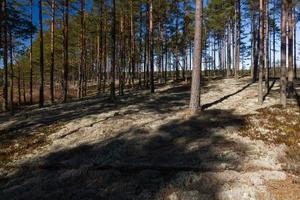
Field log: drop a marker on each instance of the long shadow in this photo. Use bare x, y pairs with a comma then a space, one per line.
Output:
205, 106
25, 124
269, 89
140, 164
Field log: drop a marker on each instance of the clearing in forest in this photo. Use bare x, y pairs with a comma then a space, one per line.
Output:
146, 146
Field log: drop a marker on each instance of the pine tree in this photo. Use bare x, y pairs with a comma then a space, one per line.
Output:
195, 88
283, 81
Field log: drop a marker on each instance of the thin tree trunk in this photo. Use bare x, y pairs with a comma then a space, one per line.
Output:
228, 49
238, 39
66, 50
274, 42
295, 43
184, 47
122, 55
141, 47
113, 50
196, 76
5, 47
100, 50
267, 49
151, 46
233, 34
105, 53
283, 80
30, 60
83, 49
52, 51
290, 49
176, 42
19, 83
132, 44
41, 96
261, 52
253, 44
24, 86
11, 73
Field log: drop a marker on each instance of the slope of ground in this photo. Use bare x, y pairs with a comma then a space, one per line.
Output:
148, 147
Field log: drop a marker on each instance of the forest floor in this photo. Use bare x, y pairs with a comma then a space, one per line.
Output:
148, 146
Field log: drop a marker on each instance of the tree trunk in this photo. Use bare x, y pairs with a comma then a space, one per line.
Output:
11, 73
141, 47
30, 60
295, 43
105, 53
83, 49
283, 81
267, 49
132, 44
176, 42
151, 46
290, 49
24, 86
274, 42
100, 50
113, 50
41, 96
66, 49
261, 52
122, 55
253, 45
196, 76
52, 51
228, 49
19, 83
238, 39
233, 34
5, 46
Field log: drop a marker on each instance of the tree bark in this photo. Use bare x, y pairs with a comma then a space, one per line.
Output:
66, 49
267, 49
238, 39
30, 60
295, 43
83, 49
41, 96
261, 52
52, 51
11, 73
274, 41
151, 46
5, 47
290, 49
113, 50
283, 80
196, 74
132, 44
253, 45
228, 48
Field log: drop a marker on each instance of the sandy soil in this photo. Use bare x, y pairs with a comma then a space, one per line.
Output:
147, 146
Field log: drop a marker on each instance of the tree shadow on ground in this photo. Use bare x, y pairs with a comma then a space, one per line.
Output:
26, 122
269, 89
208, 105
137, 164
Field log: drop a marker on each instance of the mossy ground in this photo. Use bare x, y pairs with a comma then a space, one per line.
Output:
277, 125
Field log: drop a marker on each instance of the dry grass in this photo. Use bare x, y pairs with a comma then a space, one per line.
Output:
288, 189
